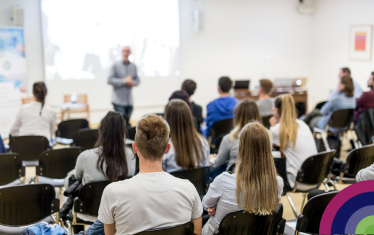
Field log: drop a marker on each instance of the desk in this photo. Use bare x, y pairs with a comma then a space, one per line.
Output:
69, 106
300, 96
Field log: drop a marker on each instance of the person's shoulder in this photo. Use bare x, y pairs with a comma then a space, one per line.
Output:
89, 154
49, 109
302, 124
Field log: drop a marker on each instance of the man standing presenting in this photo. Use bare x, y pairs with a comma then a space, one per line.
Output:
123, 76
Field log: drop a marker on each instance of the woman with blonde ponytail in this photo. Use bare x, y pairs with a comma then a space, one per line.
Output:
254, 186
35, 118
292, 136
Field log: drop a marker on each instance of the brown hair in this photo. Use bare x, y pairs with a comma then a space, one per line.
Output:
266, 85
288, 125
111, 147
245, 111
348, 85
186, 140
346, 70
39, 90
189, 86
256, 176
152, 137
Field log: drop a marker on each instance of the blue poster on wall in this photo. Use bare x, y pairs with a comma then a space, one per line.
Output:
12, 57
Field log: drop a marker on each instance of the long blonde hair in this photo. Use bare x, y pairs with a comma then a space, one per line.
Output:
186, 140
245, 111
256, 176
288, 125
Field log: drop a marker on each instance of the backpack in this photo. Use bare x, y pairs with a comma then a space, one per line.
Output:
44, 228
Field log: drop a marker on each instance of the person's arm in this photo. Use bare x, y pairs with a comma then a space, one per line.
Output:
198, 226
17, 125
214, 193
223, 152
136, 79
360, 102
115, 81
110, 229
79, 166
208, 120
365, 174
53, 126
326, 108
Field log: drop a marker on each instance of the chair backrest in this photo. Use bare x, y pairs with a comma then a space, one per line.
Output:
66, 129
131, 133
81, 98
85, 138
57, 163
244, 223
27, 204
310, 219
28, 147
222, 127
281, 166
266, 121
198, 177
315, 168
358, 159
184, 229
10, 168
89, 198
341, 118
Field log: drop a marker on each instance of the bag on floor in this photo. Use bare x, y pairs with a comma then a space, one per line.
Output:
45, 229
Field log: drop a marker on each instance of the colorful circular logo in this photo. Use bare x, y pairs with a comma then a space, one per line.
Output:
351, 211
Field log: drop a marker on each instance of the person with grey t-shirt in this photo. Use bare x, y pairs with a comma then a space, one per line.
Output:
365, 174
265, 102
123, 76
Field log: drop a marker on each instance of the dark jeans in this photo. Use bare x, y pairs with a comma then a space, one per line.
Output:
126, 112
312, 118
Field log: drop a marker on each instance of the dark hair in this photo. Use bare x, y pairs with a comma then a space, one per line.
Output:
348, 85
39, 90
266, 85
346, 70
225, 83
111, 147
181, 95
189, 86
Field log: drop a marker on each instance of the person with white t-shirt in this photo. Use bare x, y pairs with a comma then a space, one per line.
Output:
36, 118
292, 136
152, 198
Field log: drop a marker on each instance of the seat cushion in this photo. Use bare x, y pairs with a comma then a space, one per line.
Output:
18, 229
54, 182
30, 163
14, 183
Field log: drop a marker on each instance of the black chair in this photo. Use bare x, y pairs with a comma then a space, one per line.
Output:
313, 172
29, 148
266, 121
310, 219
85, 138
26, 205
54, 165
340, 119
184, 229
219, 130
244, 223
131, 133
66, 129
198, 177
11, 169
357, 160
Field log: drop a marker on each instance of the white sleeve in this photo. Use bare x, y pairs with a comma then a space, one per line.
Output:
107, 206
197, 208
17, 125
274, 130
214, 193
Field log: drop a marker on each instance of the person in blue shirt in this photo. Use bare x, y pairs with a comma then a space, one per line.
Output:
221, 108
343, 100
2, 147
357, 89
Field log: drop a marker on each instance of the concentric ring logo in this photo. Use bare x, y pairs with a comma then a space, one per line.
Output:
351, 211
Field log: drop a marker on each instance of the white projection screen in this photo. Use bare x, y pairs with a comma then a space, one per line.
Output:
82, 39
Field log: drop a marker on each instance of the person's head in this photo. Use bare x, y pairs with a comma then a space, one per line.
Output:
224, 84
189, 86
284, 110
344, 72
181, 95
126, 52
152, 138
371, 80
256, 175
265, 86
111, 147
245, 111
39, 91
346, 86
183, 135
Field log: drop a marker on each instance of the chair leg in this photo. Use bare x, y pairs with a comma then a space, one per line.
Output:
292, 205
304, 200
325, 142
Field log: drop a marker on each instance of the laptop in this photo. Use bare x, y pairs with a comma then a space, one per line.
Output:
242, 84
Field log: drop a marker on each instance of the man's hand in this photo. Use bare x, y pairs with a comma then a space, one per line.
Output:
273, 121
212, 210
129, 82
212, 156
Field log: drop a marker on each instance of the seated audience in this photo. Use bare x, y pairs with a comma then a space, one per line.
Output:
189, 86
2, 147
181, 95
343, 100
152, 198
254, 187
221, 108
188, 148
265, 102
36, 118
365, 174
357, 89
366, 100
244, 112
292, 136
